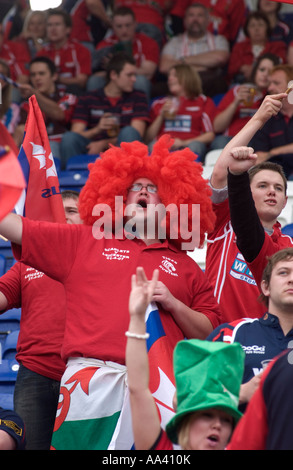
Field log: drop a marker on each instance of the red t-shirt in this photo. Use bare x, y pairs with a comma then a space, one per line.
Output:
96, 274
242, 54
235, 288
43, 308
71, 59
146, 11
17, 57
193, 117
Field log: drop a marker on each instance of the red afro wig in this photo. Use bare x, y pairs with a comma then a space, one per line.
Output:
176, 174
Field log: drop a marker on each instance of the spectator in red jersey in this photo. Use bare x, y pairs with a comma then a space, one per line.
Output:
144, 49
150, 16
240, 103
72, 60
42, 301
109, 115
244, 54
17, 57
186, 114
232, 267
56, 105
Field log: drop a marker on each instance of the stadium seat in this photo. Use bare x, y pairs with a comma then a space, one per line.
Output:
9, 347
2, 265
6, 401
80, 162
70, 179
9, 321
8, 374
288, 230
212, 156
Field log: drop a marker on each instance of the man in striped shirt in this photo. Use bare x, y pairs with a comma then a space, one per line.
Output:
92, 124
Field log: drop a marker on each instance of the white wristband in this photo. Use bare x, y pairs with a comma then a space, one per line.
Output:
135, 335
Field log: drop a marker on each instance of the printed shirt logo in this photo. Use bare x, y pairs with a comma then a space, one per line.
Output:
115, 254
240, 270
32, 274
168, 266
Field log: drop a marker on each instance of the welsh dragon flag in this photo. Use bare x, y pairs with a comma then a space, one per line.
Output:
94, 410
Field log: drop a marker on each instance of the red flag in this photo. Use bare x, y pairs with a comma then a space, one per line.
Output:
12, 181
42, 199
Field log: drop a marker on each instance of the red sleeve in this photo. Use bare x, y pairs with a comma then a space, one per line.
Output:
251, 431
10, 286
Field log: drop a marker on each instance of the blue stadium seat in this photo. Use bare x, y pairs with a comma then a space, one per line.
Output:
80, 162
9, 346
2, 265
6, 401
8, 373
288, 230
9, 321
70, 179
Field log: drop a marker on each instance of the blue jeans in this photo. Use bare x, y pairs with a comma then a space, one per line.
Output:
35, 400
75, 144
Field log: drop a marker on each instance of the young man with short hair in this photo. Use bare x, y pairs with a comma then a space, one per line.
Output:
57, 106
92, 121
72, 59
227, 267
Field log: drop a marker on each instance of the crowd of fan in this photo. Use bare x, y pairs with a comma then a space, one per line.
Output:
93, 64
107, 73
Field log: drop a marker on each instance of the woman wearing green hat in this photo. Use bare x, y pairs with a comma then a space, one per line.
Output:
207, 375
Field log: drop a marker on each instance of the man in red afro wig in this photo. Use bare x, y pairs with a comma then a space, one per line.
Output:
96, 271
176, 175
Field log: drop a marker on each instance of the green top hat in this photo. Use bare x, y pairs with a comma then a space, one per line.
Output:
207, 375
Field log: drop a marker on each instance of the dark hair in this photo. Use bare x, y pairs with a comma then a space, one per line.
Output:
285, 254
268, 166
257, 15
66, 16
45, 60
277, 4
117, 63
123, 11
268, 55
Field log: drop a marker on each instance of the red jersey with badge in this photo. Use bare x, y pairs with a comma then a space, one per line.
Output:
43, 308
96, 274
235, 288
193, 117
71, 60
